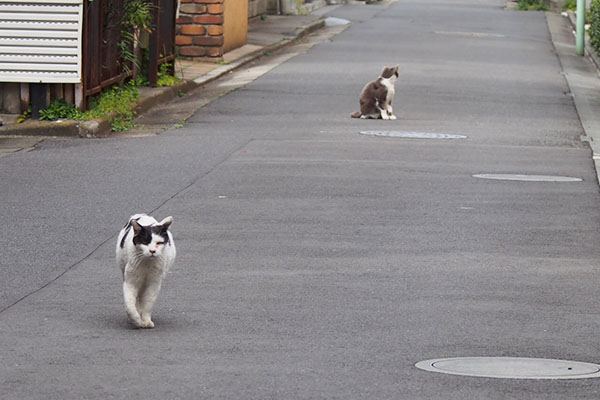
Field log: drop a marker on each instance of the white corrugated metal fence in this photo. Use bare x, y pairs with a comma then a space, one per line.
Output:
40, 41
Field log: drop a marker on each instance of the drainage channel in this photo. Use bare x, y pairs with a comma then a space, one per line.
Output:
527, 178
511, 368
412, 135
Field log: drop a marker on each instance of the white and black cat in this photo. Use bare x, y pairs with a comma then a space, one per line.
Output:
145, 252
377, 96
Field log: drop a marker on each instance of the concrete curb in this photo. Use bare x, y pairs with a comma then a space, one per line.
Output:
589, 50
151, 97
581, 75
225, 69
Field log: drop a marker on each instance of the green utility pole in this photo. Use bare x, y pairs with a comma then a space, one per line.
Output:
580, 34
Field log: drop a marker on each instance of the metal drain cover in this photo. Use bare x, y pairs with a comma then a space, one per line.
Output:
528, 178
512, 368
413, 135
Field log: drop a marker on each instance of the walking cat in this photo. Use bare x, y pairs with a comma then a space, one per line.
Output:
377, 96
145, 252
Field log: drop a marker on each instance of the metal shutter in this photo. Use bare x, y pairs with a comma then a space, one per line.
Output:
40, 41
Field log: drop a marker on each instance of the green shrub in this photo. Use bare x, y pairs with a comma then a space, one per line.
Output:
570, 5
59, 109
534, 5
164, 76
594, 20
115, 103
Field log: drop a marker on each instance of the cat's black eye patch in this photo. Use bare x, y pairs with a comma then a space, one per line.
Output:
143, 237
162, 232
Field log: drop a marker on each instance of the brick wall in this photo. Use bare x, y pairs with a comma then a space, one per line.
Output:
200, 29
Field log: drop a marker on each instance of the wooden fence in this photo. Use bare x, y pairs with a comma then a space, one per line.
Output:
102, 64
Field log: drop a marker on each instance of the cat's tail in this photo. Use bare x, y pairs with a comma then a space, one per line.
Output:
355, 114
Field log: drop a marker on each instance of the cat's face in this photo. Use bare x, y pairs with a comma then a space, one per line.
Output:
152, 240
390, 73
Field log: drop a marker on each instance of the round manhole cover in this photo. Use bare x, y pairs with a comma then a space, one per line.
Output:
512, 368
412, 135
528, 178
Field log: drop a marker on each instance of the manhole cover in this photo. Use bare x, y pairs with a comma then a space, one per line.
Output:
512, 368
528, 178
413, 135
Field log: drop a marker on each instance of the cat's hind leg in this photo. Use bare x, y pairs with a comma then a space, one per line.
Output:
370, 116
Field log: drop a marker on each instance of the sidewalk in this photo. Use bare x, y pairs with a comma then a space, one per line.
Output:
270, 34
581, 74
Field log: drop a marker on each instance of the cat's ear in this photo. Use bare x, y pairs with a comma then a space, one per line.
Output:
137, 228
165, 223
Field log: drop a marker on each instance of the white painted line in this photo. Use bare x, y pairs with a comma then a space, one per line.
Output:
413, 135
470, 34
527, 178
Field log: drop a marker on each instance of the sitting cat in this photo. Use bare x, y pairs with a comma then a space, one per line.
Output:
145, 252
376, 97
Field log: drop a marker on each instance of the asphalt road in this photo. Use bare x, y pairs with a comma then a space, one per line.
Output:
315, 262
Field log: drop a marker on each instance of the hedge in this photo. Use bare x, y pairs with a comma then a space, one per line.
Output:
594, 20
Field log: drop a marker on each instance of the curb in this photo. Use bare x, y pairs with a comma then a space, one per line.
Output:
151, 97
225, 69
589, 50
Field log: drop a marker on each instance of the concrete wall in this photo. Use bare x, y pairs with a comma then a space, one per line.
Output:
291, 7
10, 98
235, 24
258, 7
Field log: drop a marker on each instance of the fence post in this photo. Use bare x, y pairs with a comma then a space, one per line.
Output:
580, 26
39, 98
153, 55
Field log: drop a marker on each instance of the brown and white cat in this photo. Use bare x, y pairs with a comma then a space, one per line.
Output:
377, 96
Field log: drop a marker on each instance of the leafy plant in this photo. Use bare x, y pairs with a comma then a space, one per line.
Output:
533, 5
140, 80
23, 117
594, 20
115, 103
59, 109
164, 76
137, 19
570, 5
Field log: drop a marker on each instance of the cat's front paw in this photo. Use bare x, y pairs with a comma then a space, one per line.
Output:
134, 319
147, 325
392, 117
